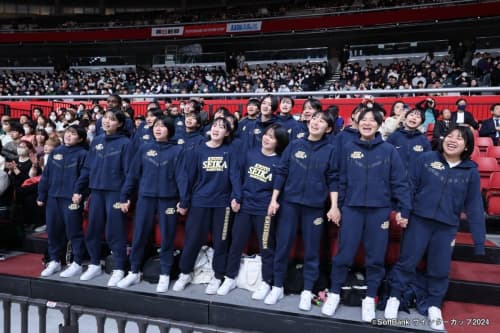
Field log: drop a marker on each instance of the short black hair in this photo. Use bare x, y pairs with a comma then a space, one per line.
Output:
288, 97
421, 112
281, 135
376, 115
194, 115
274, 101
253, 101
169, 123
80, 131
493, 106
468, 137
157, 112
315, 104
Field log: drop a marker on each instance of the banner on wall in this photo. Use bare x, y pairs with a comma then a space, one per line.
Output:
244, 27
167, 31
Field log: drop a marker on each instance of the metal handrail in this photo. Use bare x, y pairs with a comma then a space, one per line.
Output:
248, 95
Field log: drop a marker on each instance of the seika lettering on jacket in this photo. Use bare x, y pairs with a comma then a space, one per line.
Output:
214, 164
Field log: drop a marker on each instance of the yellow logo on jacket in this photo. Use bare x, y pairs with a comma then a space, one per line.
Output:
318, 221
256, 131
215, 163
170, 211
117, 205
73, 206
385, 225
100, 146
300, 135
357, 155
146, 137
58, 157
152, 153
437, 165
180, 141
260, 172
300, 154
418, 148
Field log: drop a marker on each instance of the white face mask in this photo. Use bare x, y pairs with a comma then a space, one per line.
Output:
27, 130
49, 130
67, 116
53, 117
22, 151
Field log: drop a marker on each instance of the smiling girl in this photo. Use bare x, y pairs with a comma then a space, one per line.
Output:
104, 173
214, 178
371, 178
159, 173
257, 173
445, 183
303, 180
55, 190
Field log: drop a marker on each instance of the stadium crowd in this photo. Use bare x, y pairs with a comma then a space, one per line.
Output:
307, 76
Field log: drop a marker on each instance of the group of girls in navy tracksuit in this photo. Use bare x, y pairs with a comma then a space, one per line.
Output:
277, 175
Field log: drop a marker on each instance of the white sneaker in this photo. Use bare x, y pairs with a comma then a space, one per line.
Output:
305, 300
228, 285
116, 277
435, 318
262, 291
129, 280
41, 228
182, 282
391, 308
368, 309
212, 287
72, 270
91, 272
163, 283
274, 296
51, 268
331, 304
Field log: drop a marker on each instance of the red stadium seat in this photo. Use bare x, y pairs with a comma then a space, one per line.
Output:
430, 131
486, 166
494, 151
476, 153
483, 143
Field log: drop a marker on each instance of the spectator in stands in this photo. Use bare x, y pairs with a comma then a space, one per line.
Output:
29, 132
372, 178
257, 186
167, 200
491, 127
55, 190
41, 122
495, 75
24, 118
4, 136
463, 117
434, 222
16, 132
395, 120
441, 128
105, 214
419, 81
301, 202
19, 170
428, 106
252, 112
35, 113
40, 138
338, 121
